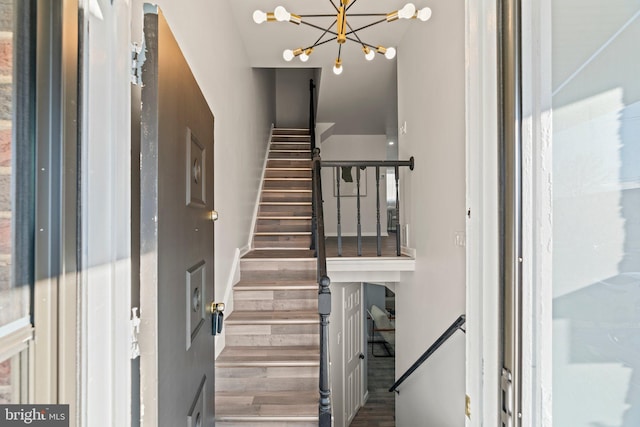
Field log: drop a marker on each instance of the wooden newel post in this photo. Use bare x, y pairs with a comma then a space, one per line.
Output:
324, 309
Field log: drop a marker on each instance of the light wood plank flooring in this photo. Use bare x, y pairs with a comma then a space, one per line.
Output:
380, 409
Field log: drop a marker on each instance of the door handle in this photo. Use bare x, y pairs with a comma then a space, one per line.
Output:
361, 356
213, 216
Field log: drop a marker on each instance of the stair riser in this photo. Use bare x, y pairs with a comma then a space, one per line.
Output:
293, 304
289, 163
291, 146
284, 242
279, 423
275, 335
302, 136
286, 197
268, 373
290, 184
289, 155
276, 300
306, 267
272, 340
285, 173
266, 384
300, 226
285, 210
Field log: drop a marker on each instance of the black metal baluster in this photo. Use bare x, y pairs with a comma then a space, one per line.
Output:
378, 235
397, 170
358, 211
338, 206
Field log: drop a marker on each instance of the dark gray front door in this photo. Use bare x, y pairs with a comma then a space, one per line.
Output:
176, 237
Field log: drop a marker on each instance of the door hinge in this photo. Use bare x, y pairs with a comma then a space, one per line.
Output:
137, 59
134, 331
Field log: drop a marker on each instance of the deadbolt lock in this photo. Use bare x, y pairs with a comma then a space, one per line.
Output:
213, 215
215, 307
217, 316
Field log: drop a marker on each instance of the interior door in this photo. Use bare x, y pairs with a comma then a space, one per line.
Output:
353, 349
176, 237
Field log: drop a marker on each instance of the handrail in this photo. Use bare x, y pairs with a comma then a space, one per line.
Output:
312, 115
324, 293
436, 345
368, 163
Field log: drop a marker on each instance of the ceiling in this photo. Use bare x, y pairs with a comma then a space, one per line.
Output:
363, 99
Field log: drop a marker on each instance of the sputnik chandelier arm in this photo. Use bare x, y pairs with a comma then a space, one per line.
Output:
341, 24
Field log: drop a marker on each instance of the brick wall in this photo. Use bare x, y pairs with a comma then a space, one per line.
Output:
6, 295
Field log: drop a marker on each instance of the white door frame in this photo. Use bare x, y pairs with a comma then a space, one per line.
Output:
482, 326
105, 198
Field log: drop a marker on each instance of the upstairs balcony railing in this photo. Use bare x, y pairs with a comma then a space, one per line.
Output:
359, 166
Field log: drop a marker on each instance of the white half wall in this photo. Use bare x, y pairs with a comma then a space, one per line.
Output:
431, 100
242, 102
354, 147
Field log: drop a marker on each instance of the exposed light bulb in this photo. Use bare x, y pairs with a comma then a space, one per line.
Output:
259, 17
390, 53
424, 14
288, 55
369, 54
281, 14
407, 11
304, 57
337, 69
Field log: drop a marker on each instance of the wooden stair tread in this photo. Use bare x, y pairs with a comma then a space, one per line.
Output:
287, 179
282, 233
288, 169
285, 190
275, 253
272, 317
294, 407
269, 356
275, 285
285, 217
286, 203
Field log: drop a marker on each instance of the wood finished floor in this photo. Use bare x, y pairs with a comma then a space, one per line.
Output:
380, 409
349, 249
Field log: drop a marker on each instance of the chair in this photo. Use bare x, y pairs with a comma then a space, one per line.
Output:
385, 328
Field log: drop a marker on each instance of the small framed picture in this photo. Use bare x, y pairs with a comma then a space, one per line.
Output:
348, 181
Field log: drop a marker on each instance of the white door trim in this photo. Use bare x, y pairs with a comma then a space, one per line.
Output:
482, 337
105, 234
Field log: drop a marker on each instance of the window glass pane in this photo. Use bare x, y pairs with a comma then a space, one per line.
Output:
596, 213
14, 297
12, 377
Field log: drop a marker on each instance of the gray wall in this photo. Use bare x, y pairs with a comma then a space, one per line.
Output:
354, 147
241, 100
431, 99
292, 97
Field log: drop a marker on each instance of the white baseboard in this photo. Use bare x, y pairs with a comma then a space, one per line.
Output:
254, 219
234, 277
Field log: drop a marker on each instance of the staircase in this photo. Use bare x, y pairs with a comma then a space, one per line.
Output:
267, 374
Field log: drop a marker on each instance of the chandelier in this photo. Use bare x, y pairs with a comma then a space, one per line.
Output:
343, 31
